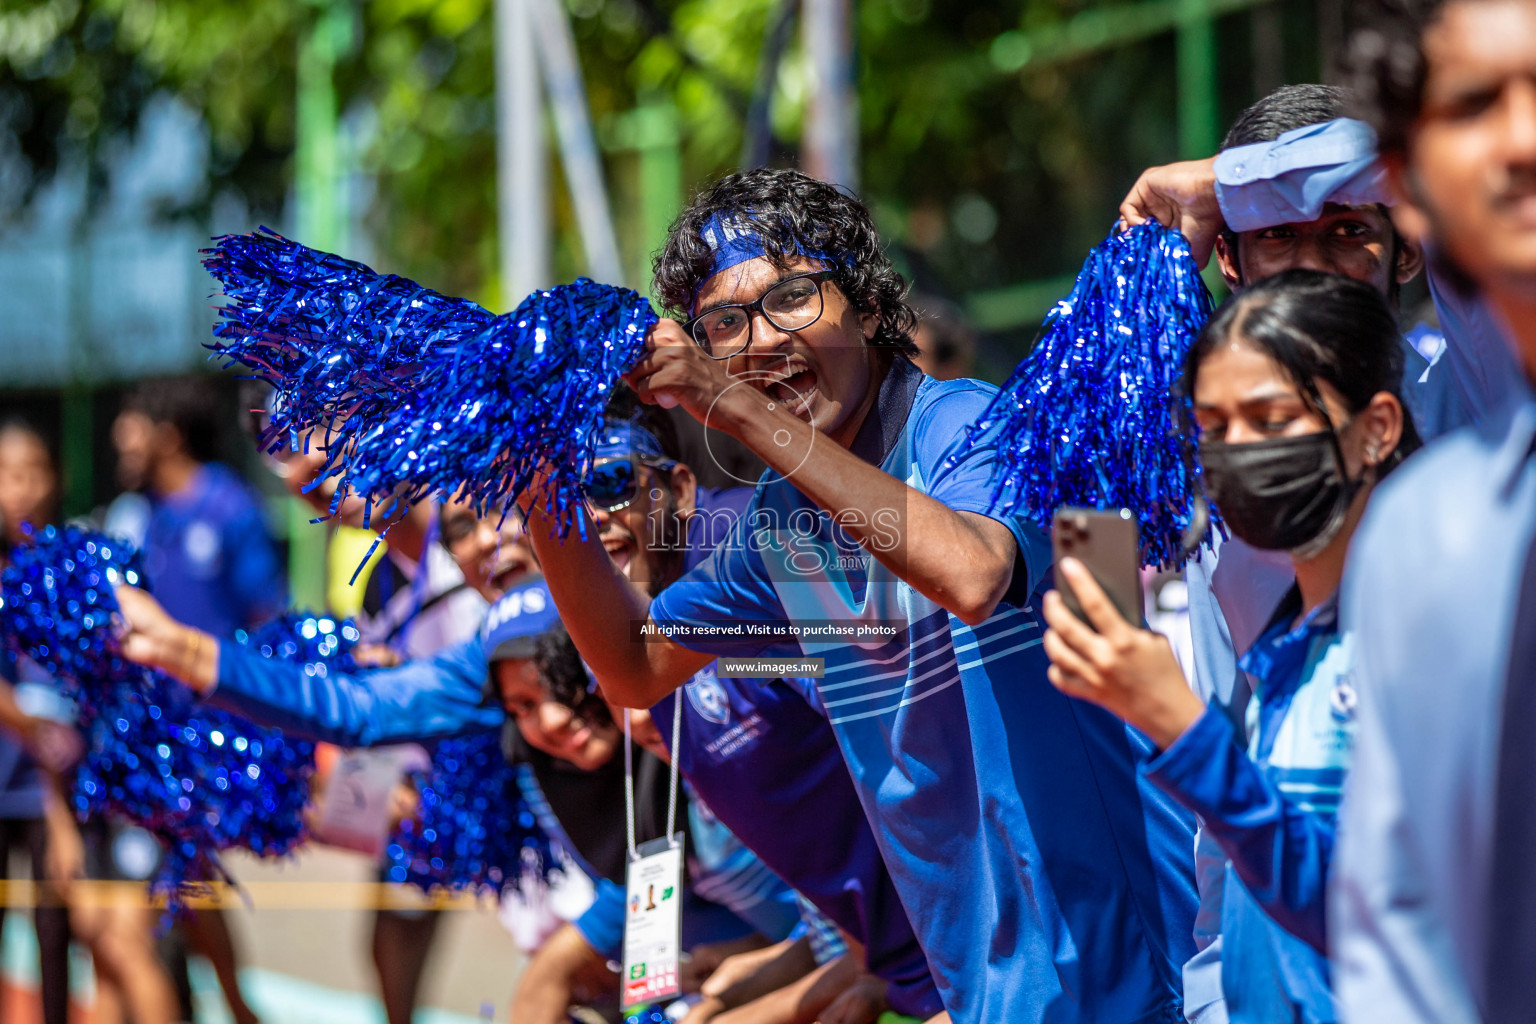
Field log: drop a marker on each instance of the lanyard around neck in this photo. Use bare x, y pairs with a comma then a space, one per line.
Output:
629, 777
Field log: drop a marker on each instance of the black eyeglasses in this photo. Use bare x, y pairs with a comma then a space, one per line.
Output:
614, 482
791, 305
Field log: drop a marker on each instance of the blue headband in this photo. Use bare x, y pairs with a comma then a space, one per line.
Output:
517, 620
617, 439
733, 238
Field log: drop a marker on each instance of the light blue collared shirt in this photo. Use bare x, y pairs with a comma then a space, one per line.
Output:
1431, 590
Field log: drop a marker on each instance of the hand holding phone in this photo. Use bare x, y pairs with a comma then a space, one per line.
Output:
1108, 545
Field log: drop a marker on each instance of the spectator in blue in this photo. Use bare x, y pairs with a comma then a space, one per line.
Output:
1297, 185
1433, 908
206, 547
1295, 385
1044, 878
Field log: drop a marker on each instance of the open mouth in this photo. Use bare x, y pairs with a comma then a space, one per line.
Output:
796, 388
621, 550
506, 575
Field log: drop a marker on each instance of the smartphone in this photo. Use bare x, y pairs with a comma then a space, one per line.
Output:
1109, 545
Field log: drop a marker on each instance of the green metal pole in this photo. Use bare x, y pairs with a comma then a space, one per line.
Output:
1199, 115
661, 179
1199, 118
319, 224
77, 444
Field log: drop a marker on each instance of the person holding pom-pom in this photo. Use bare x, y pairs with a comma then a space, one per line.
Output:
1296, 385
1011, 818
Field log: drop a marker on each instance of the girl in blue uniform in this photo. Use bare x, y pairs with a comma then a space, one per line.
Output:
1296, 388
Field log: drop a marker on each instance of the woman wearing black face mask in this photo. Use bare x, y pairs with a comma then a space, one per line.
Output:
1295, 383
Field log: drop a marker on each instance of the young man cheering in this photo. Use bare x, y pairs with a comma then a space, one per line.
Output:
1045, 882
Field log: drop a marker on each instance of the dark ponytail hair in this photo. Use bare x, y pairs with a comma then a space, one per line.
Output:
1317, 327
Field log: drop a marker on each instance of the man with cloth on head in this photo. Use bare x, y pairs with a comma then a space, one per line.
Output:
1297, 185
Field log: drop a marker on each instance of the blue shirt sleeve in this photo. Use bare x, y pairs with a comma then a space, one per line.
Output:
1290, 179
602, 924
732, 585
418, 701
1477, 366
826, 940
1280, 851
940, 430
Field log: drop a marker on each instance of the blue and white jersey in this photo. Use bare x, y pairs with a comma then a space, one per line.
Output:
825, 939
769, 765
1044, 880
1272, 811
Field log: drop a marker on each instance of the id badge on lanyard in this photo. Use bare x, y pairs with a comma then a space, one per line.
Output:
653, 900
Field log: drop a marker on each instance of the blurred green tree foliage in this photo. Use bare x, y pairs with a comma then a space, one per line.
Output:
984, 168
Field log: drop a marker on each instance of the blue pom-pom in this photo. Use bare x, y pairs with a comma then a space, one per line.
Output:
474, 831
413, 392
57, 604
200, 779
1091, 416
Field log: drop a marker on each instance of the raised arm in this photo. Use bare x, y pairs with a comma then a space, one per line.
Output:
961, 560
1280, 849
604, 613
420, 700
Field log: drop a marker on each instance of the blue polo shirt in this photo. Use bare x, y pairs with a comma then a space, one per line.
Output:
1045, 878
209, 558
768, 766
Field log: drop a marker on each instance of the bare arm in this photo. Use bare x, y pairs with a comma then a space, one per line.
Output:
599, 606
747, 976
960, 560
813, 997
1180, 195
565, 970
156, 640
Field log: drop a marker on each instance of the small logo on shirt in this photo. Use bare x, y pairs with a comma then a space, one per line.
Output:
1342, 701
201, 544
708, 697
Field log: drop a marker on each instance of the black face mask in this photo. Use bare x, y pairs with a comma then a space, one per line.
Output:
1284, 494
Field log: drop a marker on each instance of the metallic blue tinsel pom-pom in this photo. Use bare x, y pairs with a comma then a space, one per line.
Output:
412, 392
201, 779
474, 830
57, 603
1091, 416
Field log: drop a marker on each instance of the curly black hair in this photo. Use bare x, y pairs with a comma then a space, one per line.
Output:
793, 213
1384, 67
565, 678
